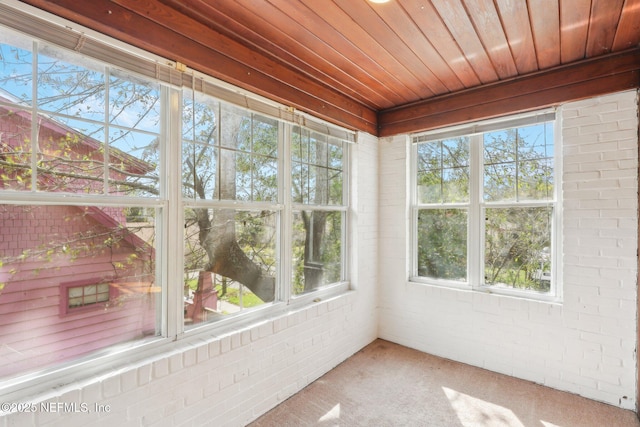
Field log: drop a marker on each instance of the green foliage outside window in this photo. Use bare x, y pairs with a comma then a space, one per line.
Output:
515, 206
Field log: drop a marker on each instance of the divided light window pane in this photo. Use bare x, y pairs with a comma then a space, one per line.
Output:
518, 164
230, 262
317, 188
517, 250
42, 247
249, 156
68, 86
442, 244
16, 68
317, 163
15, 148
200, 146
317, 249
443, 171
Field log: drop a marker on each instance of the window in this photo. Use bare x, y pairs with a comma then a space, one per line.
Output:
79, 152
319, 210
80, 296
230, 187
129, 198
485, 206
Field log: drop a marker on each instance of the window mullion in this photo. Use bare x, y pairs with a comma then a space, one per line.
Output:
346, 197
173, 215
413, 200
105, 165
34, 113
475, 238
285, 250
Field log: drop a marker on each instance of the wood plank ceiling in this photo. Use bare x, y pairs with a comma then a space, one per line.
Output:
402, 66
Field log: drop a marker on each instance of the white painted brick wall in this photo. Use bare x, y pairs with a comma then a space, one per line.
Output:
232, 379
585, 345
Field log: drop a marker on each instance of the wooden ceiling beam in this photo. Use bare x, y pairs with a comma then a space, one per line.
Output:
593, 77
163, 31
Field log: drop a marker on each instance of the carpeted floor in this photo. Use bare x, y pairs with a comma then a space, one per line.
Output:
386, 384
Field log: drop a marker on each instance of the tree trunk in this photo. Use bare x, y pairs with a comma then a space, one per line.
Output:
217, 234
315, 224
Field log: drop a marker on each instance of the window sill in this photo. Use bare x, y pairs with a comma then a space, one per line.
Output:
238, 322
504, 292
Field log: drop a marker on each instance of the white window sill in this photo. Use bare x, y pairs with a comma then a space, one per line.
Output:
493, 290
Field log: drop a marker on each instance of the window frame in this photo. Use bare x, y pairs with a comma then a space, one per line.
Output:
40, 27
299, 206
476, 207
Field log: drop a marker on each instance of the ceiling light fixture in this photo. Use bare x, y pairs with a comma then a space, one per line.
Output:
378, 1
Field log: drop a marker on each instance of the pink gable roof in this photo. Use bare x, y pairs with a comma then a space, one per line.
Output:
134, 164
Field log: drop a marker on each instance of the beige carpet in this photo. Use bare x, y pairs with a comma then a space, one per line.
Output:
389, 385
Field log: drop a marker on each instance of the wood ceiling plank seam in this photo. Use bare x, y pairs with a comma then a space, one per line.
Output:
514, 18
339, 61
354, 80
574, 27
457, 21
518, 104
249, 63
426, 18
545, 26
554, 79
487, 24
628, 30
380, 41
604, 17
115, 21
358, 88
407, 30
344, 24
388, 39
390, 85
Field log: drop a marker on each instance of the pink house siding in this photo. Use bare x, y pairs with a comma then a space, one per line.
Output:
35, 327
44, 247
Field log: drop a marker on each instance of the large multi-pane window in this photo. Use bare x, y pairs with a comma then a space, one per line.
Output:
135, 209
319, 202
230, 186
80, 153
485, 206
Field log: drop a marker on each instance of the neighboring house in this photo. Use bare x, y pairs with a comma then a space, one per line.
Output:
83, 282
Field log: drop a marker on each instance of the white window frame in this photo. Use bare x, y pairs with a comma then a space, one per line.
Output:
343, 208
476, 206
169, 206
